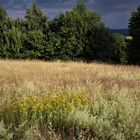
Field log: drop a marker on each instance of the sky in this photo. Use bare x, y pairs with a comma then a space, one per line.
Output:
114, 13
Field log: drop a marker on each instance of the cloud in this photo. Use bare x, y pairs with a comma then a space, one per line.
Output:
115, 13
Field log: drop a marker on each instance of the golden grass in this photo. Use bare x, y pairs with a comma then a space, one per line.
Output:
107, 98
68, 74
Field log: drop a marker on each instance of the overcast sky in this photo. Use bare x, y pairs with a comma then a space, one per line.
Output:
115, 13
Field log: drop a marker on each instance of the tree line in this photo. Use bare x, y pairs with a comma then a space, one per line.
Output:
78, 34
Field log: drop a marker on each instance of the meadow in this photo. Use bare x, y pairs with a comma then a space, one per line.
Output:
69, 101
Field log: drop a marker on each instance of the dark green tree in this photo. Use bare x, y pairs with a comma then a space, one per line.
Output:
12, 44
5, 21
83, 35
35, 28
36, 19
134, 30
65, 30
5, 25
33, 43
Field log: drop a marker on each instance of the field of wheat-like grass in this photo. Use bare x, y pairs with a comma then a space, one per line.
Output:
69, 101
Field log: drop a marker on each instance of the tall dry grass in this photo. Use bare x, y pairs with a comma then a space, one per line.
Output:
68, 74
69, 100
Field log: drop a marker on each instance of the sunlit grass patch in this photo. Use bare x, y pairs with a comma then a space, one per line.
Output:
69, 100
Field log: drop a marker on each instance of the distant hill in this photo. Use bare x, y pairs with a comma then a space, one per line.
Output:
120, 31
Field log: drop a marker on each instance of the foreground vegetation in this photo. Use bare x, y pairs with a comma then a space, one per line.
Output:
67, 101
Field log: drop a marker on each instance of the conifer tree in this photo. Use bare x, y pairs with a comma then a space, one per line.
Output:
134, 30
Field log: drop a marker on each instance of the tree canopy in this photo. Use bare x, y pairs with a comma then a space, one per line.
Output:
77, 34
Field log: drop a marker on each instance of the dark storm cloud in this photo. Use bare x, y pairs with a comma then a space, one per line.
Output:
115, 13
